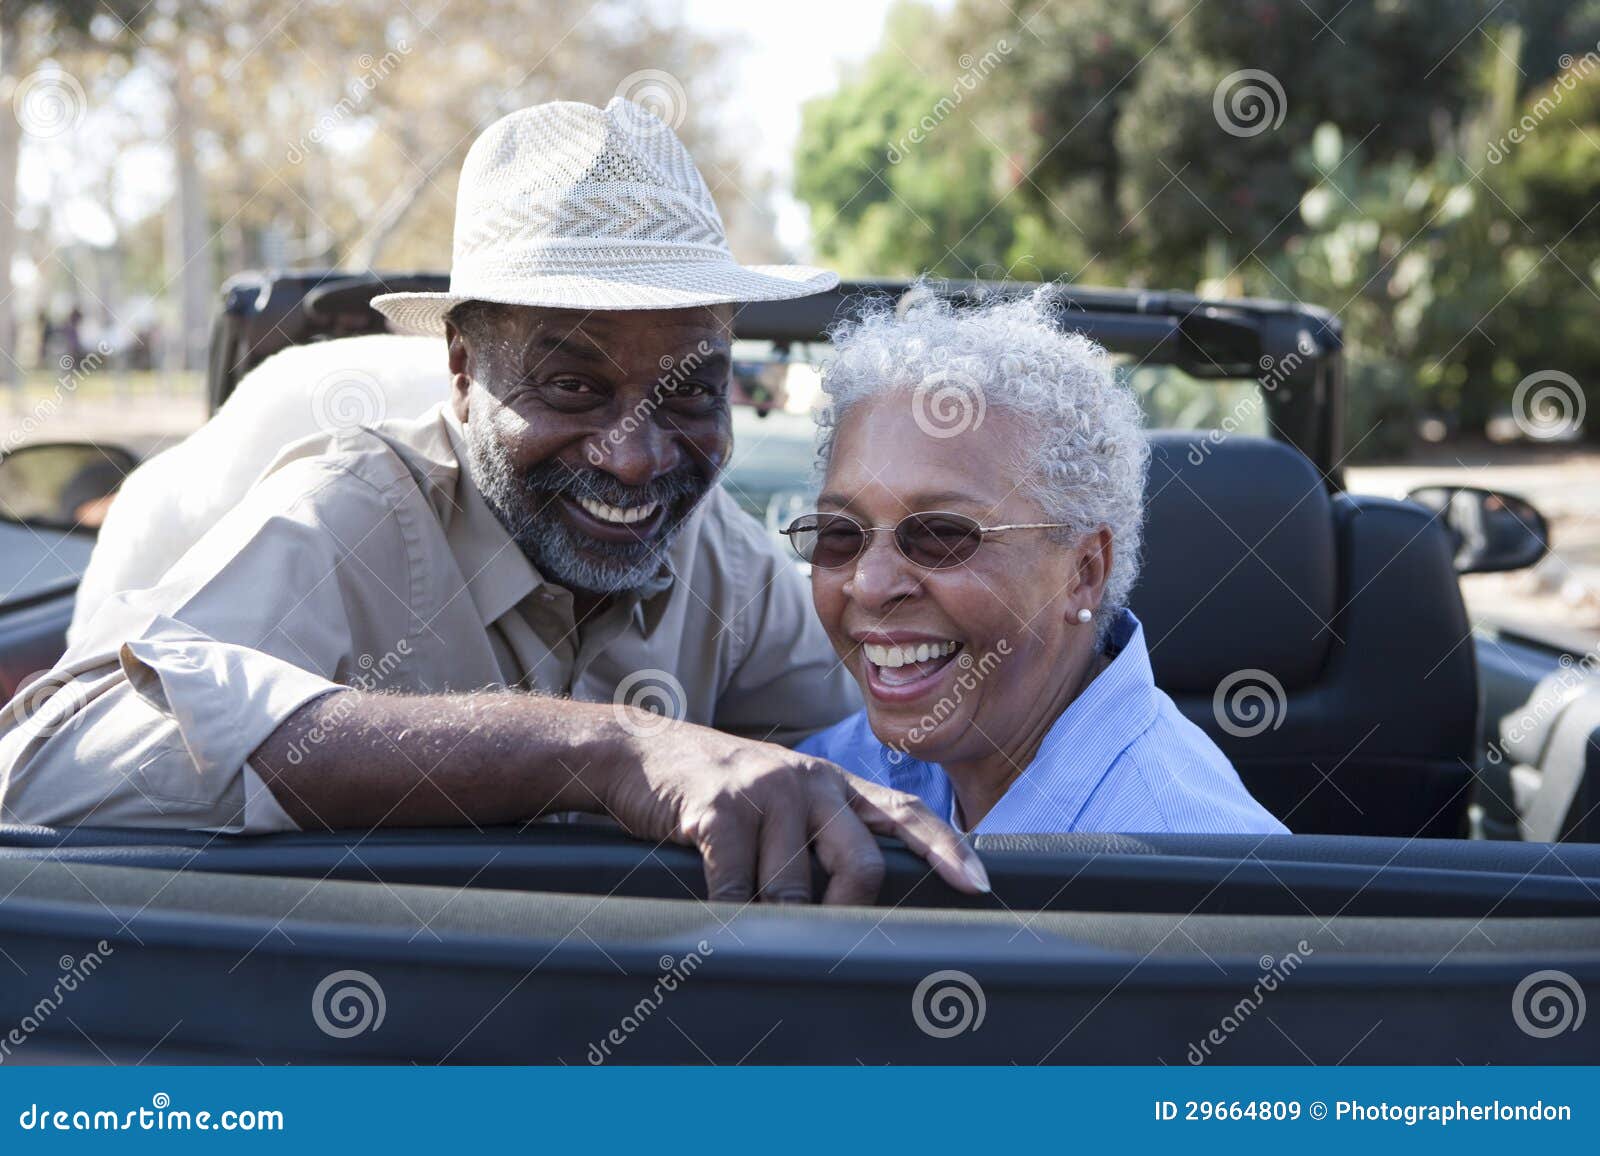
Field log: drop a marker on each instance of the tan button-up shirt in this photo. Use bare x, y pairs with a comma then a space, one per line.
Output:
370, 560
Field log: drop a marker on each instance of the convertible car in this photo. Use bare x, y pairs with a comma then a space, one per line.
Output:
1439, 901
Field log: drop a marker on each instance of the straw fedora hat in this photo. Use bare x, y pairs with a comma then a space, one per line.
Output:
568, 206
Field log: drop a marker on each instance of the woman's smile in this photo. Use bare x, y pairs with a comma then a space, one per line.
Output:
972, 577
902, 667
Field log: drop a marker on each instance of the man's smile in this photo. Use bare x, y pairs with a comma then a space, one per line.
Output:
609, 523
618, 514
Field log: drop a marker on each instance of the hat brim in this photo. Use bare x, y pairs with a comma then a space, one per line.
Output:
666, 286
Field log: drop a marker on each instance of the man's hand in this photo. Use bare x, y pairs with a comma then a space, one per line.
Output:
359, 760
754, 808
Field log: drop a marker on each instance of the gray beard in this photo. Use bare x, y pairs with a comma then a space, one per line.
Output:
521, 503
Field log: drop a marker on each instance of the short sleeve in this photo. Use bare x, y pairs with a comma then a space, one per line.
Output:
170, 689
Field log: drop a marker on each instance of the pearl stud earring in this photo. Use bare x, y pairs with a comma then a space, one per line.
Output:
1085, 614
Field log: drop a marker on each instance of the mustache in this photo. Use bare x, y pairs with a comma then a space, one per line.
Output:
669, 490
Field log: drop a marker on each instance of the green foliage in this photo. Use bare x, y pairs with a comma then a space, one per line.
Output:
898, 173
1371, 172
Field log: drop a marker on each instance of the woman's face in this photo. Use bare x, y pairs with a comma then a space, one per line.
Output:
1010, 610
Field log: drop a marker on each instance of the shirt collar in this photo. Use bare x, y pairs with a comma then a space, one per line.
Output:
1086, 740
498, 574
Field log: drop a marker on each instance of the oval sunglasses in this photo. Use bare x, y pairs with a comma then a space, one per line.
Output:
935, 540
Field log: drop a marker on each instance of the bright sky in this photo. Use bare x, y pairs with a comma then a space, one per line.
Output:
790, 53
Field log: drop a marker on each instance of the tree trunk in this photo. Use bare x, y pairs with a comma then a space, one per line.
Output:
189, 252
10, 150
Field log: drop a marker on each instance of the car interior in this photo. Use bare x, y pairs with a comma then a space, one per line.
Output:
1318, 637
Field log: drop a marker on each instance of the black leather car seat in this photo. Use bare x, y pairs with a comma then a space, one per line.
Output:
1320, 639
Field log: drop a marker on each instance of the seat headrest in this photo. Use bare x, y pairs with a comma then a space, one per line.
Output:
1239, 562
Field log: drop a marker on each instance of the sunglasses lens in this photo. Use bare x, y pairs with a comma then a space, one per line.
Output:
826, 540
938, 540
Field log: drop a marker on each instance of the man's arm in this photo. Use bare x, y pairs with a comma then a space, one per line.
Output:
160, 718
352, 759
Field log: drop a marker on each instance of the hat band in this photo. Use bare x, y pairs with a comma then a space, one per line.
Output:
504, 268
617, 214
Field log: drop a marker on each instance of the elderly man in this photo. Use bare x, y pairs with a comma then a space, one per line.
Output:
460, 619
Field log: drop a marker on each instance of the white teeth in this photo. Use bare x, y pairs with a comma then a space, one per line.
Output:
893, 656
618, 515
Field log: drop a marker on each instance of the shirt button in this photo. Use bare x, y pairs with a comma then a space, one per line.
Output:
546, 596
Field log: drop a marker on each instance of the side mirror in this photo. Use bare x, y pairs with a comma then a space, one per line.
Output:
1492, 531
62, 485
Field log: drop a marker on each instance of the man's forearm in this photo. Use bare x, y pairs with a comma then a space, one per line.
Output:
353, 759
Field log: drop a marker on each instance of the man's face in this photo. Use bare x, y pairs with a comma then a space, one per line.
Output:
594, 434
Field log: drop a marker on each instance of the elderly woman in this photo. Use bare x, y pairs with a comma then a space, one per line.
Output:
976, 538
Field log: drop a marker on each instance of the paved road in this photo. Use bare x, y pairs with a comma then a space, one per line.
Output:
1563, 592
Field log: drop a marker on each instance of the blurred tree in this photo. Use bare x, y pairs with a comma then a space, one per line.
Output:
330, 132
899, 170
1338, 152
33, 32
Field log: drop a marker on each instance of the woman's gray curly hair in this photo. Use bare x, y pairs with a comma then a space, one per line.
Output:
1087, 462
